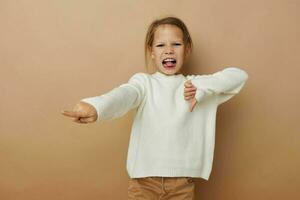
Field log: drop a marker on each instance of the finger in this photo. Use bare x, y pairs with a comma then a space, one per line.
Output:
86, 119
190, 89
189, 98
79, 120
186, 90
69, 113
188, 83
187, 94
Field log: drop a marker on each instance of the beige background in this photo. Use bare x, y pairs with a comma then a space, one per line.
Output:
54, 53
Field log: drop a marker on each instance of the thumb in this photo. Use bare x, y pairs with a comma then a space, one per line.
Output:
193, 104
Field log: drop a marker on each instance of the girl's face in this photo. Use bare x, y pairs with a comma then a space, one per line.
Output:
168, 50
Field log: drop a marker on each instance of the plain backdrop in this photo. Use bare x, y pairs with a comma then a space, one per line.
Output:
55, 52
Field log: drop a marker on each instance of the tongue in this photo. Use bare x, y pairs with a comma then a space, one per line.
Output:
169, 64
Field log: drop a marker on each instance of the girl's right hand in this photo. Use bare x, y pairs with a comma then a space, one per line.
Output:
189, 94
82, 113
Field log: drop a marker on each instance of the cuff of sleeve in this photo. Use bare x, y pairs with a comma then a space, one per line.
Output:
199, 95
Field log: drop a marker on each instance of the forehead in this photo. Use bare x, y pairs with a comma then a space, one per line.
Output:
167, 32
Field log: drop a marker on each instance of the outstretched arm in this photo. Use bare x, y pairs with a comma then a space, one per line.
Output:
110, 105
119, 100
224, 84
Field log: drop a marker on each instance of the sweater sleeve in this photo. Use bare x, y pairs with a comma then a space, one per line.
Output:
119, 100
223, 84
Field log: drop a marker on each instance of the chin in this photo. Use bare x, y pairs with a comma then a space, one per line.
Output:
171, 71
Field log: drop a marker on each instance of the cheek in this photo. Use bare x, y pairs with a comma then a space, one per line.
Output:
155, 54
156, 59
183, 56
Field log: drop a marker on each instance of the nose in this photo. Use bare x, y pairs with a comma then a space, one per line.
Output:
169, 49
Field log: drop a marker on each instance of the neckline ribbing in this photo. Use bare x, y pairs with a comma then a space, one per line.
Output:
162, 75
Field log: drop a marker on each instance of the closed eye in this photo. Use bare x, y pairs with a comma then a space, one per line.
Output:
176, 44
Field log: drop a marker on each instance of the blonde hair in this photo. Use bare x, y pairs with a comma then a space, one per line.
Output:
153, 27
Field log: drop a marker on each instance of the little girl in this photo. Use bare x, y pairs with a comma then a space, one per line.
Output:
173, 132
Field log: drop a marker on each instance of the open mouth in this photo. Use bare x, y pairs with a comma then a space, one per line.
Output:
169, 62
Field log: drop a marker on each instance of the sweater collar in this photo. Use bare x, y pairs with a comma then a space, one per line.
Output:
162, 75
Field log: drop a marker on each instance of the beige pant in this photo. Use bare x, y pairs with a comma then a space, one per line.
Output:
161, 188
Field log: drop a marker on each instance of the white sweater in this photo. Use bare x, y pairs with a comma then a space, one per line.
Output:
166, 138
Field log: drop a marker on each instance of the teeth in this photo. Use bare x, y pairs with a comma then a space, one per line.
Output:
169, 59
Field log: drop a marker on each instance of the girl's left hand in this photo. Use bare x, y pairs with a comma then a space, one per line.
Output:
189, 94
